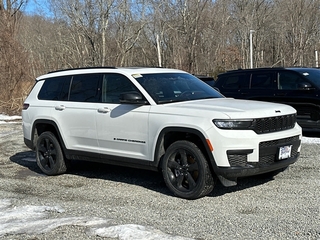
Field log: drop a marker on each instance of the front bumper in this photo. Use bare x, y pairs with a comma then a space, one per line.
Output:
235, 172
268, 159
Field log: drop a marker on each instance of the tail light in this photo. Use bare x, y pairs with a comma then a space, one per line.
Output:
25, 106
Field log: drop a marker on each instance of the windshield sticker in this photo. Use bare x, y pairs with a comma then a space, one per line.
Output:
137, 75
305, 74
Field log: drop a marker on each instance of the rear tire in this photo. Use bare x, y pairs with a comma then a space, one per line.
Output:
185, 171
49, 155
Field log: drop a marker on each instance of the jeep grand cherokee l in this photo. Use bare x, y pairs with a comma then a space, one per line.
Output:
157, 119
297, 87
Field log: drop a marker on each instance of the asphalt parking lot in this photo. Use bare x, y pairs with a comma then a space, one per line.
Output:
92, 197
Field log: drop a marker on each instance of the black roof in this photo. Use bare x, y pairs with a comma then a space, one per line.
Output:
264, 69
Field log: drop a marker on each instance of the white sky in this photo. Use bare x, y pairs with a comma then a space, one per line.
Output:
36, 219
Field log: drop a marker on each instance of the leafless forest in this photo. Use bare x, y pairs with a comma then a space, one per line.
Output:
199, 36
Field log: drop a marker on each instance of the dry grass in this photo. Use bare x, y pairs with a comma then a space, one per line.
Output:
14, 104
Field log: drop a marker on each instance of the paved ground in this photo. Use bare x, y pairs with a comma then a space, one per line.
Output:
287, 207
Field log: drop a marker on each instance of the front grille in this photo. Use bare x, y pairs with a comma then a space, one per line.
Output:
274, 124
268, 153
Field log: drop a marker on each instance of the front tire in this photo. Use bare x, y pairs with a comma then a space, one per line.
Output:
49, 154
185, 171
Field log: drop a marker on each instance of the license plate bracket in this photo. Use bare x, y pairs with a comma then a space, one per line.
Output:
284, 152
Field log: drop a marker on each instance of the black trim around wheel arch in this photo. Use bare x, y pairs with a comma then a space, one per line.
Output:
235, 172
53, 124
28, 143
166, 130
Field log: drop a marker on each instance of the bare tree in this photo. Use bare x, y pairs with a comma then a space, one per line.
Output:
13, 60
200, 36
127, 29
300, 29
87, 23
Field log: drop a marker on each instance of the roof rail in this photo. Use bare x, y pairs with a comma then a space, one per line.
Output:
68, 69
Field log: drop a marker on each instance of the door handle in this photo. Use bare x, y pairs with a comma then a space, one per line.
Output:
104, 110
60, 108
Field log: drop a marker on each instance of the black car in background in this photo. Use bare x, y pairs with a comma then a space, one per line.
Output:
298, 87
208, 80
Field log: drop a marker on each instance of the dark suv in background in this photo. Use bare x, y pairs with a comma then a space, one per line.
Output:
298, 87
207, 79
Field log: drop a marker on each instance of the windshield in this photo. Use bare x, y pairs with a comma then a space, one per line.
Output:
311, 73
175, 87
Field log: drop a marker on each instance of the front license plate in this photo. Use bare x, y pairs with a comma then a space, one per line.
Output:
285, 152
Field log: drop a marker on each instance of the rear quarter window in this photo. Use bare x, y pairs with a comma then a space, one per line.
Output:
56, 88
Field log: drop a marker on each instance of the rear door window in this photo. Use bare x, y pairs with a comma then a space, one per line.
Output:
262, 86
262, 80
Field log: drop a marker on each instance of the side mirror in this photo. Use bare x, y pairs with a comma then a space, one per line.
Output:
132, 98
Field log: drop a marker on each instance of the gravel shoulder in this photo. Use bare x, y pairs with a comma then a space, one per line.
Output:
286, 207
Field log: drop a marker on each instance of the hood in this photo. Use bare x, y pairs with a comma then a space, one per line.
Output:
232, 108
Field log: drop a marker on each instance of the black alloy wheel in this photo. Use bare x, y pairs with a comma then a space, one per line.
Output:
49, 154
185, 171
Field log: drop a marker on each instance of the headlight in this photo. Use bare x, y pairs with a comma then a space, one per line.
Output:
243, 124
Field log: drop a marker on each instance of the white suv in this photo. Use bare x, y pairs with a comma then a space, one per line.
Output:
158, 119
